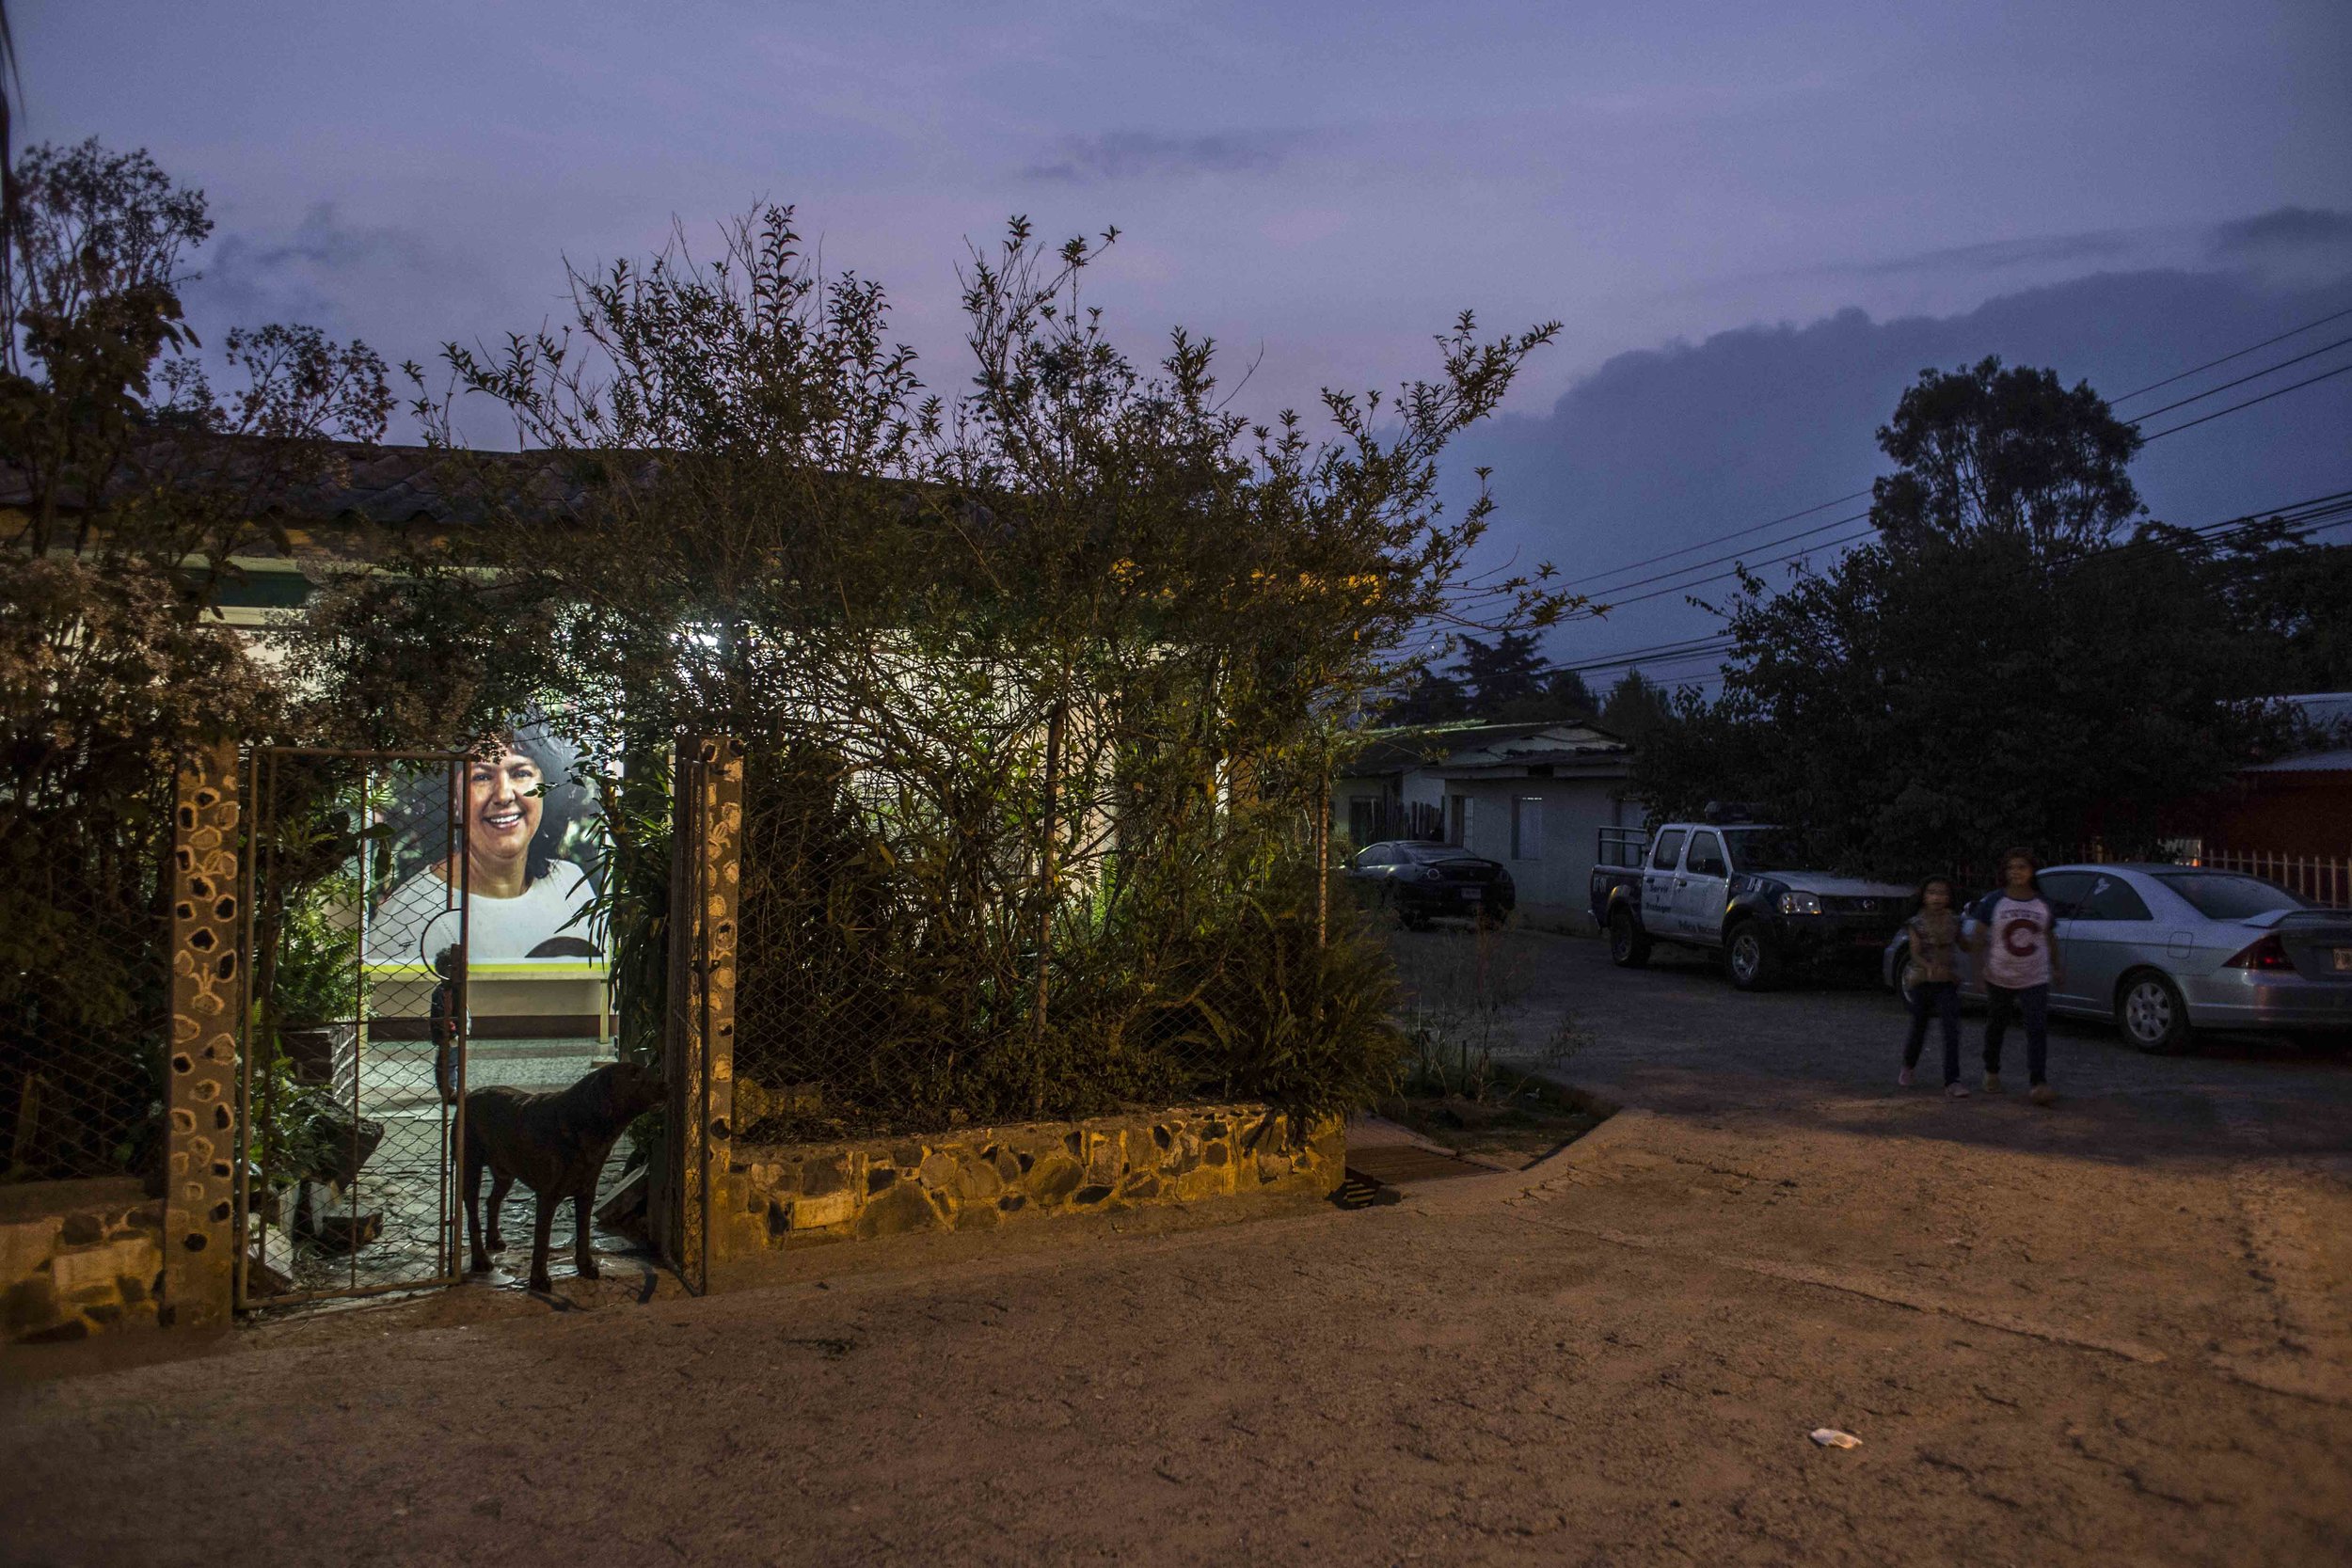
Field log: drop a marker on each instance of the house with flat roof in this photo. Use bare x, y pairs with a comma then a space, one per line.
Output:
1531, 795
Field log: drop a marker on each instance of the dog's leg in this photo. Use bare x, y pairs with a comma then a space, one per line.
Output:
500, 1183
479, 1261
583, 1238
539, 1280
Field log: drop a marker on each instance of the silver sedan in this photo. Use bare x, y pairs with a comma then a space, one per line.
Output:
2164, 950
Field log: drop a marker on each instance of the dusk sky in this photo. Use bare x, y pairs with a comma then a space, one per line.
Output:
1757, 223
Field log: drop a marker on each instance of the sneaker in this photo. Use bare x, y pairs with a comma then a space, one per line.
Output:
1905, 1078
2043, 1095
1992, 1082
1957, 1091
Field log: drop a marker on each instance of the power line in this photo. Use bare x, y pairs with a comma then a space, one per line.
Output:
2291, 387
1858, 494
2250, 375
2306, 516
1660, 576
1865, 533
2240, 354
1736, 533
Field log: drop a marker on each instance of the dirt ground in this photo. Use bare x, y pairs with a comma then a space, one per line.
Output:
2115, 1330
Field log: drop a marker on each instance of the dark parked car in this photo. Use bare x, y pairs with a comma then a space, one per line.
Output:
1422, 882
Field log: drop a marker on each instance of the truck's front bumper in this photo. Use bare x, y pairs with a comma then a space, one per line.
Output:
1834, 938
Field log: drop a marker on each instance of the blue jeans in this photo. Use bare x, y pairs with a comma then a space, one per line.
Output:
2033, 1003
1940, 999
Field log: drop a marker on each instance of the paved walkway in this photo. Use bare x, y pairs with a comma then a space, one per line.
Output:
2115, 1331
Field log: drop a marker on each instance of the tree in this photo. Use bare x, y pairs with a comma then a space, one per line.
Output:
137, 490
1636, 707
1431, 697
1502, 680
1995, 452
1996, 667
1501, 674
1039, 684
1566, 696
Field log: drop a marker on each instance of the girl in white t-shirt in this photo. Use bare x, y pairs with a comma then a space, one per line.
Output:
2015, 931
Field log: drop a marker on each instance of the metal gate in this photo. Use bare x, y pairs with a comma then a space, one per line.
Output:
352, 1045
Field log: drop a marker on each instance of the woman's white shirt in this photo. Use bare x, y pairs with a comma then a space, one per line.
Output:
414, 923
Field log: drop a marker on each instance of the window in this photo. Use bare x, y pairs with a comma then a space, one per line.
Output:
2064, 892
1767, 849
2113, 898
2226, 896
1707, 856
1666, 852
1527, 828
1361, 818
1378, 854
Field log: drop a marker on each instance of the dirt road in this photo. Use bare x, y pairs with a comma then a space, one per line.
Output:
2119, 1330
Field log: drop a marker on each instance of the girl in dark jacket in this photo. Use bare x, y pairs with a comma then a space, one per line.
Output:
1932, 977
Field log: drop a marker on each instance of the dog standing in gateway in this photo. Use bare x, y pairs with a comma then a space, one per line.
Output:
555, 1143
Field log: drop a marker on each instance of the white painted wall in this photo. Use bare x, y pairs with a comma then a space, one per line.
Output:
1555, 886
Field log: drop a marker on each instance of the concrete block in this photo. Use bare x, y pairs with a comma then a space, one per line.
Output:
102, 1266
834, 1208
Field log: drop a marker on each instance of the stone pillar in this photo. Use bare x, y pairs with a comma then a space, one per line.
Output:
207, 1008
706, 1027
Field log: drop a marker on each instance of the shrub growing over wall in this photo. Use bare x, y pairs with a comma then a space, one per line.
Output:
1039, 687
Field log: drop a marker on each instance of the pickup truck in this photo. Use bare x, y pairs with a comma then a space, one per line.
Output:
1735, 889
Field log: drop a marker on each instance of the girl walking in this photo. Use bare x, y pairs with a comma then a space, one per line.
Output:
2019, 939
1933, 977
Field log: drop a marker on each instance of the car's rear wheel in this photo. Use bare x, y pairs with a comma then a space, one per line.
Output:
2150, 1013
1628, 947
1898, 973
1749, 958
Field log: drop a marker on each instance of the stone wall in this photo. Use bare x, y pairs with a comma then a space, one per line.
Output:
78, 1258
775, 1197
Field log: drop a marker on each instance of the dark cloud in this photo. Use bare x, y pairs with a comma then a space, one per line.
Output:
1143, 154
308, 275
1667, 446
2105, 244
2285, 233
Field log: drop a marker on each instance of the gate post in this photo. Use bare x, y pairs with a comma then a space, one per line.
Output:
702, 1026
208, 987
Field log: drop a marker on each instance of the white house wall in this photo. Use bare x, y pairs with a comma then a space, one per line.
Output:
1555, 888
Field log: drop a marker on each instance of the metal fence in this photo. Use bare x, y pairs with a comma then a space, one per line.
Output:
353, 1054
2324, 879
2318, 877
899, 973
84, 1011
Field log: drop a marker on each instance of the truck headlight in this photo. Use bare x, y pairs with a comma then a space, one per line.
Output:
1801, 903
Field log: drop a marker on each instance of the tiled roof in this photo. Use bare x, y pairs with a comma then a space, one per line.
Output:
1451, 745
386, 486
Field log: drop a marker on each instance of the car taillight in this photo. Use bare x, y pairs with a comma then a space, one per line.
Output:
2270, 953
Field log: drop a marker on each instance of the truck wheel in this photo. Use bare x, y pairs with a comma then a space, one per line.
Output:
1749, 958
1628, 947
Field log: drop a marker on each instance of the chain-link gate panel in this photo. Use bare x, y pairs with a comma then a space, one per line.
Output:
355, 1042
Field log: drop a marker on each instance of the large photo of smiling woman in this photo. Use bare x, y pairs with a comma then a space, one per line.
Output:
524, 843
